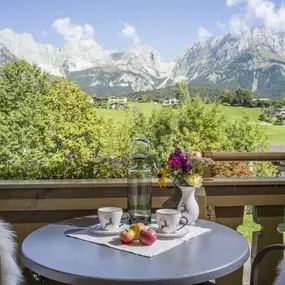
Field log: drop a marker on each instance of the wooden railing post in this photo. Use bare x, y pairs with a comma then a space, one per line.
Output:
268, 217
231, 217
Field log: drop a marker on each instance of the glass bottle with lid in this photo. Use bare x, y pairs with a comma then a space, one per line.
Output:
139, 183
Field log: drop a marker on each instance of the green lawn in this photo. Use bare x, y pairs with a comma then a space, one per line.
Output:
276, 134
248, 227
236, 113
119, 115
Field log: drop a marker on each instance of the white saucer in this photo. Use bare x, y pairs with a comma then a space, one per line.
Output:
179, 234
97, 229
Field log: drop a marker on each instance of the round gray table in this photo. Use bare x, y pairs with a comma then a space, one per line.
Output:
51, 254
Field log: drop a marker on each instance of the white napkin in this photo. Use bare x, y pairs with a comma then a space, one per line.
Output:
156, 248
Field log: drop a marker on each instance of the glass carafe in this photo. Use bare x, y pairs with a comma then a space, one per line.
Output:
139, 183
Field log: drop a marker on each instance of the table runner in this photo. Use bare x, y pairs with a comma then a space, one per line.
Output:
161, 245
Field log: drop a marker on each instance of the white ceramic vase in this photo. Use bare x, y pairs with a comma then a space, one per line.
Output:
188, 205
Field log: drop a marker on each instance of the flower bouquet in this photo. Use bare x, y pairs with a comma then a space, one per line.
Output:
186, 171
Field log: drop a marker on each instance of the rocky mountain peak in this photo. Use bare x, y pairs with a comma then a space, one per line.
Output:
254, 60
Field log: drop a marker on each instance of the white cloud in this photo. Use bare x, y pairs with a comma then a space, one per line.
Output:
73, 32
221, 26
130, 33
44, 32
235, 2
203, 34
264, 11
238, 25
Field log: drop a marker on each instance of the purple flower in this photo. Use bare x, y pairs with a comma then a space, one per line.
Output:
69, 155
35, 161
42, 162
186, 166
178, 152
110, 158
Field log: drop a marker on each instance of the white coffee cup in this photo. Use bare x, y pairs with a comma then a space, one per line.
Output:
168, 220
110, 218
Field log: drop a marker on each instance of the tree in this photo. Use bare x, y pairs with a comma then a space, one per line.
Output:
22, 108
243, 97
48, 127
226, 97
198, 126
283, 100
146, 97
181, 92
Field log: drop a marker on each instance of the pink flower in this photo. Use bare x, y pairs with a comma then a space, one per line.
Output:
174, 161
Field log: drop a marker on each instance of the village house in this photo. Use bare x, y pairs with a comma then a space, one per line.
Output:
280, 112
261, 99
171, 102
117, 103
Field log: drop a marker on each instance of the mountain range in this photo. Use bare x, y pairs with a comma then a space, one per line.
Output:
255, 60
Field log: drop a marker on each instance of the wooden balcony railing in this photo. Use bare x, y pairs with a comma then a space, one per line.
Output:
227, 198
29, 205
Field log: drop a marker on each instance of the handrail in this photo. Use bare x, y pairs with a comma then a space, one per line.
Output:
245, 156
121, 183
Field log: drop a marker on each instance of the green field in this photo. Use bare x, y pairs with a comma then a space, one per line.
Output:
236, 113
276, 134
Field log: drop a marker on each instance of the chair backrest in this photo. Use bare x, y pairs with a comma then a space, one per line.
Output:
10, 273
280, 280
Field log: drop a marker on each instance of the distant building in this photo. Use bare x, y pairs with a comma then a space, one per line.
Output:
261, 99
280, 112
171, 102
117, 103
122, 100
96, 99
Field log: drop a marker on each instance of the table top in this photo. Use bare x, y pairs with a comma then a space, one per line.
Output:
51, 254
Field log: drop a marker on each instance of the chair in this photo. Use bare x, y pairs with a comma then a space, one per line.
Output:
10, 273
280, 280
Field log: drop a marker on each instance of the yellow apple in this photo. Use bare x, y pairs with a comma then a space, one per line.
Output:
137, 228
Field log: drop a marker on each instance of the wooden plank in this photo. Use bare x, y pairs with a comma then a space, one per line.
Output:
245, 190
246, 181
241, 200
234, 278
245, 156
57, 193
69, 204
231, 217
268, 217
115, 183
49, 217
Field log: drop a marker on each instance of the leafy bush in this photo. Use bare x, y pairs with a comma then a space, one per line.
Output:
49, 129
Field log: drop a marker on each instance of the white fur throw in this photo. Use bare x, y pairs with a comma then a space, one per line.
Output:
10, 271
280, 280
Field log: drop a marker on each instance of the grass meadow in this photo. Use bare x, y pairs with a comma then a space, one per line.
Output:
276, 134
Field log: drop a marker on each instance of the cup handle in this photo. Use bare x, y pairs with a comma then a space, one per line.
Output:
128, 217
184, 224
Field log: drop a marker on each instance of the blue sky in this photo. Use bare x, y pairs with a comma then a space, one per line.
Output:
167, 25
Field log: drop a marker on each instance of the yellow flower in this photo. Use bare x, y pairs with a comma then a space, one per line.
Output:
195, 180
162, 176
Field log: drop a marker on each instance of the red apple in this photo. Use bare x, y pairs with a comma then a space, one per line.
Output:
127, 236
147, 237
137, 228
